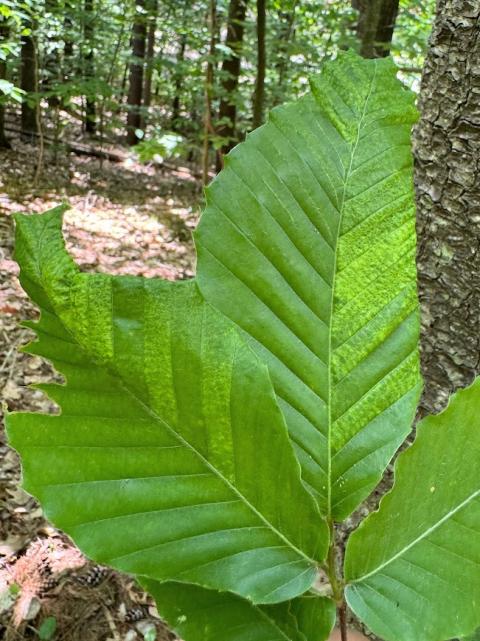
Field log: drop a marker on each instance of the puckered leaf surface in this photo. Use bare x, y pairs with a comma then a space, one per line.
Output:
308, 244
170, 458
413, 567
197, 614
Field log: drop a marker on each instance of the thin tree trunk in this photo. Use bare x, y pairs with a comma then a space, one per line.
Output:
227, 112
178, 82
51, 66
67, 40
109, 80
447, 179
147, 89
135, 90
4, 33
259, 96
283, 57
28, 82
90, 111
208, 126
385, 28
375, 26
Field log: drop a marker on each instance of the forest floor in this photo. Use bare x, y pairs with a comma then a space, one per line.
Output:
125, 218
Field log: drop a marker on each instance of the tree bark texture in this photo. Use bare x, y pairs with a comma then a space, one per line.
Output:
447, 179
227, 112
376, 23
259, 96
28, 82
135, 89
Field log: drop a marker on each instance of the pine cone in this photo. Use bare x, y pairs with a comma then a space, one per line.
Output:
137, 613
93, 577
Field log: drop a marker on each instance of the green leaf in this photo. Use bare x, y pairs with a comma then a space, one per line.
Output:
195, 613
170, 458
413, 567
47, 629
308, 244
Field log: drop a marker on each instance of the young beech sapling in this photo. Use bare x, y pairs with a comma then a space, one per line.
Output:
213, 432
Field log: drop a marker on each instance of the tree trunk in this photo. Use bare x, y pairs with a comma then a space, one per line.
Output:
67, 39
227, 112
147, 89
375, 26
259, 96
208, 126
135, 90
28, 82
385, 28
90, 110
178, 82
283, 57
4, 144
51, 65
447, 178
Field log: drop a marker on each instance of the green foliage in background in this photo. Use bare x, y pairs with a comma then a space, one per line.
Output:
213, 432
74, 68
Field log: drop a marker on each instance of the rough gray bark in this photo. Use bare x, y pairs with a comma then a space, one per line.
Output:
447, 177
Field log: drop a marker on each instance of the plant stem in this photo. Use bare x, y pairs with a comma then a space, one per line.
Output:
336, 582
342, 615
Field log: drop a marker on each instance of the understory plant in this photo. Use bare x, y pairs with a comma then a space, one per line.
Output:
214, 432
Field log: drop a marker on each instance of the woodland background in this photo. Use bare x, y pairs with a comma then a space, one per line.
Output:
126, 109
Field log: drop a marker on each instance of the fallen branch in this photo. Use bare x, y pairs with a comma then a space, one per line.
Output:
78, 148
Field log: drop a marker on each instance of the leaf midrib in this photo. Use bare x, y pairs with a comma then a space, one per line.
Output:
332, 299
419, 538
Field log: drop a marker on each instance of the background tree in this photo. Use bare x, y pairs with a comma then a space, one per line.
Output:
87, 64
208, 126
4, 31
259, 95
227, 112
149, 57
376, 23
89, 70
178, 83
447, 150
135, 91
29, 84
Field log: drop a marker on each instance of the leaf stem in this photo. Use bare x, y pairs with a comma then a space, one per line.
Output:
342, 615
336, 582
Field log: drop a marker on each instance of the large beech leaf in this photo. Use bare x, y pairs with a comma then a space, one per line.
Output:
197, 614
308, 244
413, 567
170, 458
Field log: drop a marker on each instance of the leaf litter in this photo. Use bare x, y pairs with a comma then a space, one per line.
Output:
124, 219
